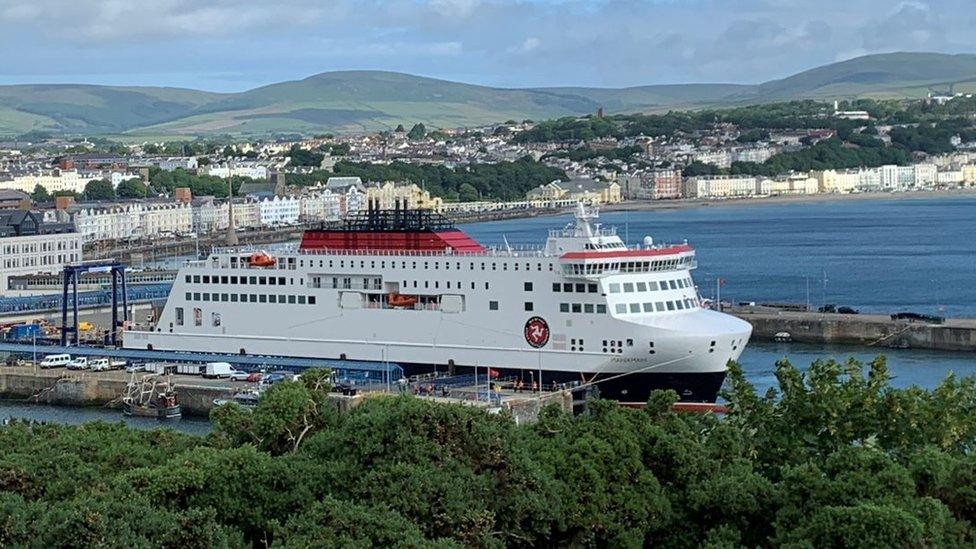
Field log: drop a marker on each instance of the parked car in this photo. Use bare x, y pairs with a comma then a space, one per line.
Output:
271, 379
238, 375
255, 377
136, 368
99, 364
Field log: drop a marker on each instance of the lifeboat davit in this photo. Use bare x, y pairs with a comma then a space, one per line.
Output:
400, 300
261, 259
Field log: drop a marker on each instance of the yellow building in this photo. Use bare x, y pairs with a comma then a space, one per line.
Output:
969, 174
578, 190
388, 195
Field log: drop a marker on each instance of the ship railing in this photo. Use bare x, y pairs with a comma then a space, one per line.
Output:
508, 252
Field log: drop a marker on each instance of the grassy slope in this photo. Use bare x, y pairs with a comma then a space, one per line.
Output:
374, 100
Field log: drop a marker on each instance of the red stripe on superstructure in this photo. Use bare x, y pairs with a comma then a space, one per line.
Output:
594, 254
389, 240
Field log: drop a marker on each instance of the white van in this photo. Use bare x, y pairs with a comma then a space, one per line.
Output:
55, 361
99, 364
78, 363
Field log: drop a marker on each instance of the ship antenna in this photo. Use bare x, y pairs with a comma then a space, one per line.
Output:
507, 247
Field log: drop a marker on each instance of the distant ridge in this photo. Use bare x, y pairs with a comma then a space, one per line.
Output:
347, 101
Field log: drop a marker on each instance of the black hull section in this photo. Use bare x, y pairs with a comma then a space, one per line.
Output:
630, 388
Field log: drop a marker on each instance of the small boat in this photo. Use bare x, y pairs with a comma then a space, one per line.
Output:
783, 336
150, 396
400, 300
261, 259
246, 399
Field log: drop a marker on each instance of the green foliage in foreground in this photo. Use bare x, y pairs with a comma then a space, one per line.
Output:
834, 458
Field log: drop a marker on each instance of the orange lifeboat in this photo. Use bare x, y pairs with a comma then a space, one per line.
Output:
400, 300
261, 259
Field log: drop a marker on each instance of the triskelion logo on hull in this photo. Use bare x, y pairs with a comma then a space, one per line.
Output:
537, 332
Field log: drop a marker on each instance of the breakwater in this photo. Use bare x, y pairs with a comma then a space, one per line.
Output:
859, 329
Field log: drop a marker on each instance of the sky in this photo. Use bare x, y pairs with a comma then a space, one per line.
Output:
226, 46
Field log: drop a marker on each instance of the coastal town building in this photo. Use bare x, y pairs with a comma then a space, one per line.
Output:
53, 180
29, 245
403, 194
133, 219
578, 190
721, 186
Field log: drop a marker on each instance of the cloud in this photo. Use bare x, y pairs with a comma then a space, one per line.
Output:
495, 42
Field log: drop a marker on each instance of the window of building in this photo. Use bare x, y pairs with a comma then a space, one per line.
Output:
492, 305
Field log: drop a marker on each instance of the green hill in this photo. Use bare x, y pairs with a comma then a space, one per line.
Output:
347, 101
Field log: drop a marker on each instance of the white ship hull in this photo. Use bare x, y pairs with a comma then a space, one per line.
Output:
473, 311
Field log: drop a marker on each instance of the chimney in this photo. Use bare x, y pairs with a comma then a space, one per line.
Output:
231, 238
63, 202
183, 195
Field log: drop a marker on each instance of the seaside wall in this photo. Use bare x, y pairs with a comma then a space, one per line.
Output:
867, 330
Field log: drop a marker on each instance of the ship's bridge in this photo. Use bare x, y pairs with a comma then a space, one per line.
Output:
587, 250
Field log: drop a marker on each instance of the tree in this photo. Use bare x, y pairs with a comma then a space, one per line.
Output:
467, 193
418, 131
131, 188
40, 194
99, 189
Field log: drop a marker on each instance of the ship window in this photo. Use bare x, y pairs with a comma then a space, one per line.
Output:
581, 288
197, 316
482, 266
272, 280
233, 280
492, 305
291, 300
648, 307
556, 286
233, 298
224, 297
527, 286
630, 342
504, 266
659, 306
615, 288
186, 279
437, 265
253, 280
188, 294
311, 300
263, 298
679, 305
426, 284
206, 297
301, 300
426, 264
673, 285
281, 281
223, 279
472, 285
262, 281
493, 266
243, 298
652, 285
550, 267
587, 307
253, 298
621, 308
577, 308
601, 308
592, 288
486, 285
539, 267
641, 286
196, 279
179, 316
206, 279
567, 287
628, 287
272, 298
196, 296
564, 307
528, 306
670, 305
414, 283
516, 266
437, 284
635, 307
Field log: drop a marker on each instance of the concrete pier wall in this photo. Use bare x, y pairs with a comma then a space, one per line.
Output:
868, 330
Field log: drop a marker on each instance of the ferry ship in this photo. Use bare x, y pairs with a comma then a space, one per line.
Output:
408, 287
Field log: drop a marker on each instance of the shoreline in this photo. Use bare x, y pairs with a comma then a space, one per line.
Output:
689, 203
682, 203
